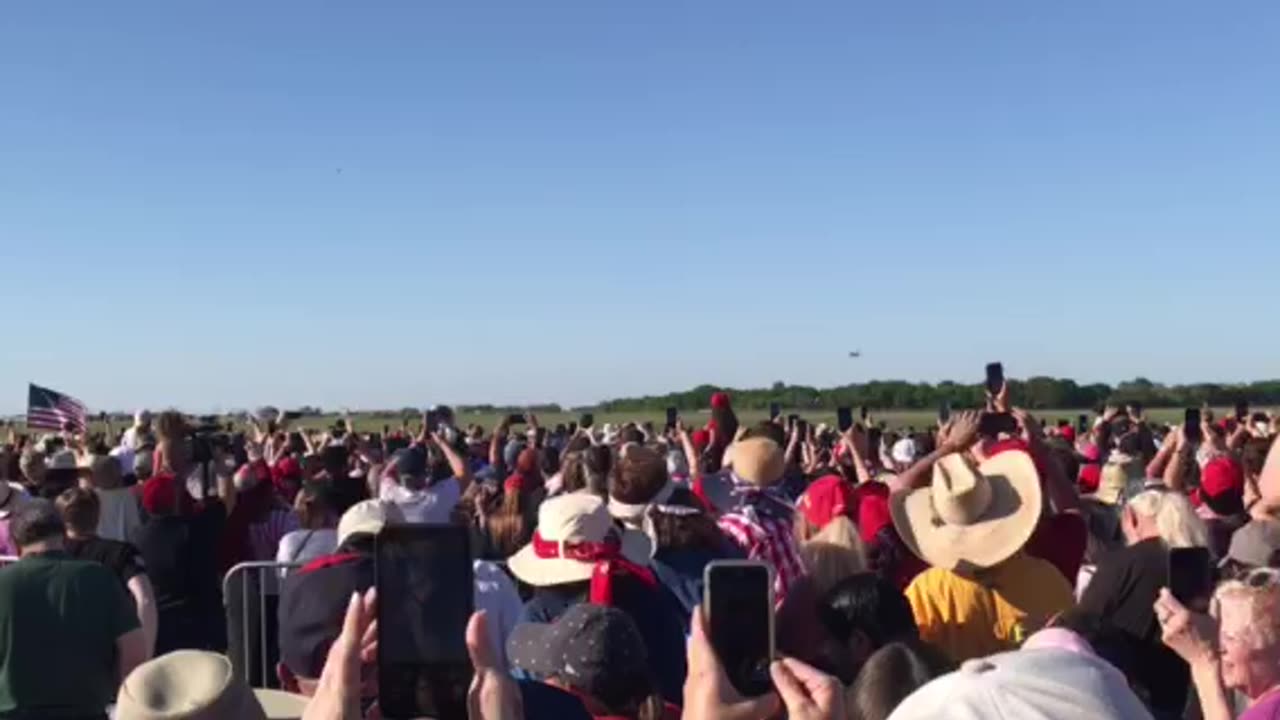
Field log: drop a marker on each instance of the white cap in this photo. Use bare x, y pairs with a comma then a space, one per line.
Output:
1042, 684
142, 416
904, 451
368, 516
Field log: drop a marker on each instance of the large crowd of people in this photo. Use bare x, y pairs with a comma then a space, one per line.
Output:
993, 566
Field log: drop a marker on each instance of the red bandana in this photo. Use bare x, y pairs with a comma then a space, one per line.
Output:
608, 559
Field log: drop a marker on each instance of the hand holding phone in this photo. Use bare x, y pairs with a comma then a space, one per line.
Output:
1191, 425
844, 419
425, 596
995, 378
738, 601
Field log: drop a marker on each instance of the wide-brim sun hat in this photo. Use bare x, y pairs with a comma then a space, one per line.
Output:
971, 516
575, 531
758, 461
199, 685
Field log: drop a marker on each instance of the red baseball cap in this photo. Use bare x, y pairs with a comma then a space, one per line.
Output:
720, 400
826, 498
700, 439
1222, 486
1068, 433
160, 494
1090, 478
873, 510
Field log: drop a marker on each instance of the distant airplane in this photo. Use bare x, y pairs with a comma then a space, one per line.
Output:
855, 354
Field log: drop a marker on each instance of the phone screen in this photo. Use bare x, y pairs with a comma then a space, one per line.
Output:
944, 412
1082, 424
844, 418
425, 597
586, 421
672, 414
1191, 424
739, 606
802, 429
1191, 577
774, 410
515, 419
1242, 411
995, 377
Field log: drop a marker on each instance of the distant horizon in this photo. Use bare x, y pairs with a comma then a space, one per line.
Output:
356, 409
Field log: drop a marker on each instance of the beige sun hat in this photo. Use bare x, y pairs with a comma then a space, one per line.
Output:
971, 516
759, 461
199, 685
567, 526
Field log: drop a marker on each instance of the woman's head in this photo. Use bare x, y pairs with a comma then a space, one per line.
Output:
865, 612
681, 523
1249, 631
834, 554
889, 675
315, 507
1165, 515
597, 462
510, 526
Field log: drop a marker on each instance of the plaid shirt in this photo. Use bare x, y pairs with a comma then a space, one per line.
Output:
761, 526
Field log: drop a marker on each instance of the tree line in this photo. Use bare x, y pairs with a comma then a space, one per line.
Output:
1036, 393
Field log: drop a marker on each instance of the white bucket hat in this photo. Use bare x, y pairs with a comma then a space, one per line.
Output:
574, 532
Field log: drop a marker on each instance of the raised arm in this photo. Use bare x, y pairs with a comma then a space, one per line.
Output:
1179, 461
1059, 489
957, 436
457, 464
853, 440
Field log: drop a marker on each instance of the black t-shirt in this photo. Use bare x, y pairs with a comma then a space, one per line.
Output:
180, 554
120, 557
1123, 592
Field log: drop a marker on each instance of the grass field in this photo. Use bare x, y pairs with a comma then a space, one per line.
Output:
896, 419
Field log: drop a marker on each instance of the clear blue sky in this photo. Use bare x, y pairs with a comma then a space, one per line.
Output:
578, 200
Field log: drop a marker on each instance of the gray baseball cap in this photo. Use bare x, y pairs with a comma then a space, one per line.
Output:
1256, 544
594, 648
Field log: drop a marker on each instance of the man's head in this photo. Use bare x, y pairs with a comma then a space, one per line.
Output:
37, 527
142, 420
410, 467
80, 510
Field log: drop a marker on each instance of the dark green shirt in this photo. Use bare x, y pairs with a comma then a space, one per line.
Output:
59, 621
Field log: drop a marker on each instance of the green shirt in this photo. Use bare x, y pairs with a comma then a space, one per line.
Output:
59, 621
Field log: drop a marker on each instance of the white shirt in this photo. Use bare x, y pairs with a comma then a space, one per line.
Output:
119, 516
433, 504
303, 546
497, 596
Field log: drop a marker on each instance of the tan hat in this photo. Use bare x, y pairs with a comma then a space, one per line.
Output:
759, 461
368, 516
1112, 482
971, 516
199, 685
568, 527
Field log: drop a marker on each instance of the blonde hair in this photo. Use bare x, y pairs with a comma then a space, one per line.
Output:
834, 554
1175, 518
1261, 602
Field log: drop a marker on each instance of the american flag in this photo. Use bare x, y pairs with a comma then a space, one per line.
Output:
50, 410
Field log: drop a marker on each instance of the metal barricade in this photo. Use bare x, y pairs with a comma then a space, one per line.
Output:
263, 580
8, 560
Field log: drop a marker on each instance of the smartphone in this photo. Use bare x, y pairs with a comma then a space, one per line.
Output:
993, 424
775, 410
944, 411
844, 418
862, 412
425, 595
1191, 578
792, 420
1242, 410
540, 437
573, 427
1191, 424
802, 429
1082, 424
293, 415
586, 421
739, 605
515, 419
672, 415
995, 378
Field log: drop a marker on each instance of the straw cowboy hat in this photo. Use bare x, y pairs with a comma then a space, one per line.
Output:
971, 516
574, 532
199, 685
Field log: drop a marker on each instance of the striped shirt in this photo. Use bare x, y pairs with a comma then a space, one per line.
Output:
766, 536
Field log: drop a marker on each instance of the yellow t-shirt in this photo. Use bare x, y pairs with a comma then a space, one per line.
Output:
969, 618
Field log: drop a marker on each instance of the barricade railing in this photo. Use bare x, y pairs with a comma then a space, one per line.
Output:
8, 560
241, 583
